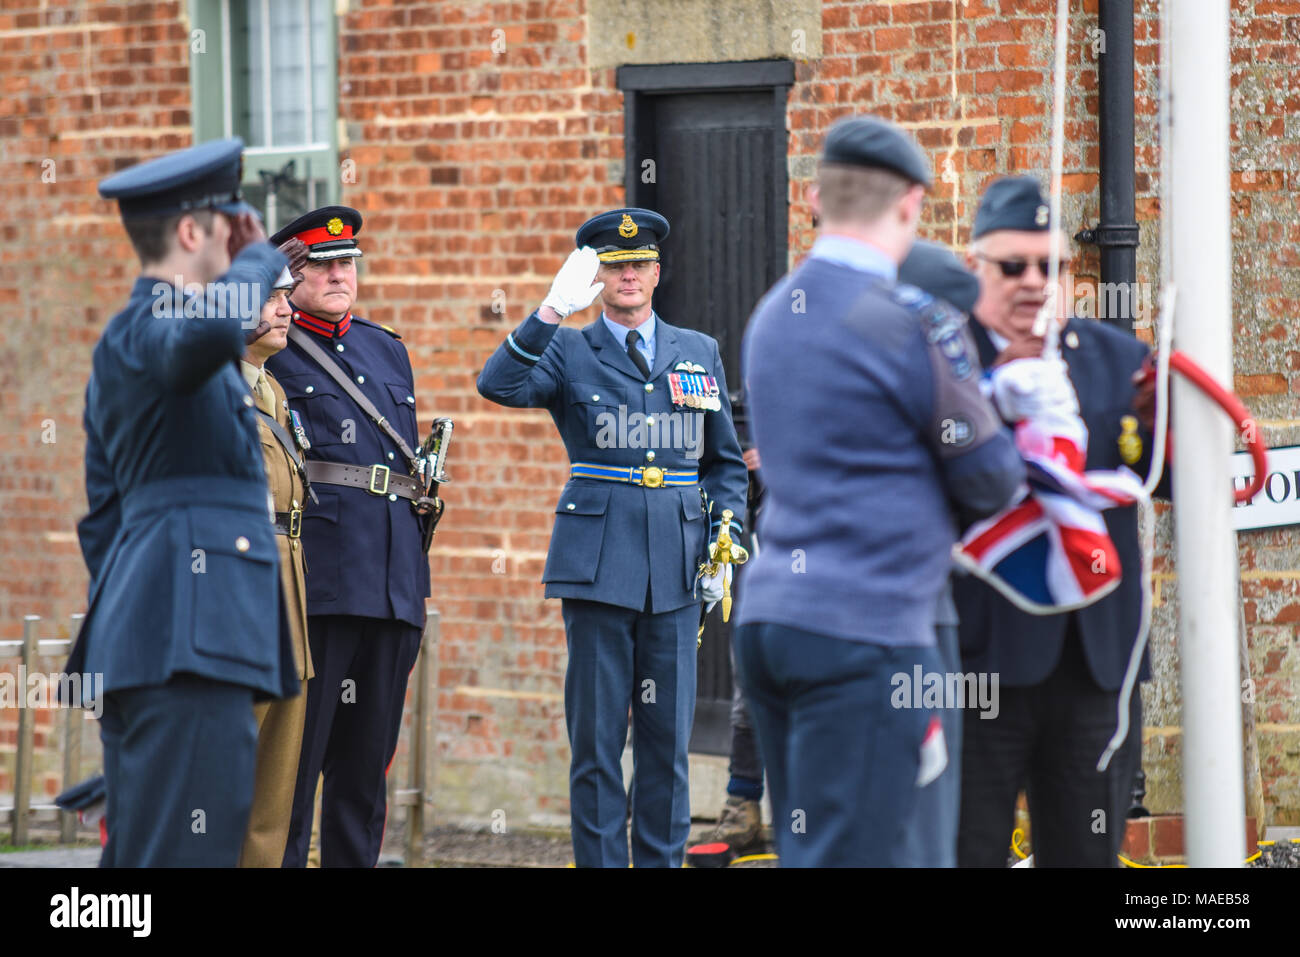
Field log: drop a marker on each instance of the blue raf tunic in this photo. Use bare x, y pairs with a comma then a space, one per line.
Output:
178, 539
613, 541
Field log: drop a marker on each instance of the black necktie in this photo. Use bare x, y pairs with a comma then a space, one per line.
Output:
635, 354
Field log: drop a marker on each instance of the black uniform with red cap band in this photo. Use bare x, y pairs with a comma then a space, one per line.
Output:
367, 570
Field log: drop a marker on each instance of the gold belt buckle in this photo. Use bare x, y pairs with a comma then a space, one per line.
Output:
374, 478
652, 476
295, 523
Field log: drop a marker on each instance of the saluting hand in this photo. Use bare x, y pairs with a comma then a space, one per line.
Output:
245, 228
574, 288
295, 250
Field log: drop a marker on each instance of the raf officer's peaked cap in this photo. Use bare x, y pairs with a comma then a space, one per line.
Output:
329, 232
202, 177
1013, 202
624, 235
873, 142
933, 268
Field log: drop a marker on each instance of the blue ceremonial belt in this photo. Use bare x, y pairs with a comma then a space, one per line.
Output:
651, 476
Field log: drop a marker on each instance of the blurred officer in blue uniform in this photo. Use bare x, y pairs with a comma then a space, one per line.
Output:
643, 410
865, 406
935, 270
185, 619
367, 570
1060, 675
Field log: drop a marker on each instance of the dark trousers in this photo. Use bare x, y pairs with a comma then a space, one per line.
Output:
842, 761
933, 839
746, 763
620, 658
354, 716
179, 761
1046, 738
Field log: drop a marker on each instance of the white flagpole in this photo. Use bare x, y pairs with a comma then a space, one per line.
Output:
1046, 323
1197, 34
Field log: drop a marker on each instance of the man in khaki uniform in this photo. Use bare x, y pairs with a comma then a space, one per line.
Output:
279, 723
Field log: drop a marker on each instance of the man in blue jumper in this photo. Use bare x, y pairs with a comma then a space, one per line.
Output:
865, 406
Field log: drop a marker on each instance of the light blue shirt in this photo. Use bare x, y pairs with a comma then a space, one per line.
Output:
854, 254
646, 344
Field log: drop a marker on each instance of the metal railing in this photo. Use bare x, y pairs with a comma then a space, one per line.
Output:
23, 812
416, 796
418, 793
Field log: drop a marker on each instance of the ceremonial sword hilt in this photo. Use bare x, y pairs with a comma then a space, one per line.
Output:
725, 552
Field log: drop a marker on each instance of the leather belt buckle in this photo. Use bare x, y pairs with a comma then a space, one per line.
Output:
375, 471
652, 476
295, 523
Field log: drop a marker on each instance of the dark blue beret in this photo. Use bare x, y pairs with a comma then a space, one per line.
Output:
933, 268
202, 177
871, 141
624, 235
329, 232
1013, 202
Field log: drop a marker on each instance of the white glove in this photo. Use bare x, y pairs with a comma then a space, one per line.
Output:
1034, 389
574, 288
711, 585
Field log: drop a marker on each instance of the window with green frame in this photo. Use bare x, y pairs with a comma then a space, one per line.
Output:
266, 71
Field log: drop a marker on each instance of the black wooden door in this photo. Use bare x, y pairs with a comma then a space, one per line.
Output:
717, 172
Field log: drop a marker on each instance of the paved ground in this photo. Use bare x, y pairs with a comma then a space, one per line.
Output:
456, 847
59, 857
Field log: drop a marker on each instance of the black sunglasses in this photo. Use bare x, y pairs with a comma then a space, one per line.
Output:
1014, 268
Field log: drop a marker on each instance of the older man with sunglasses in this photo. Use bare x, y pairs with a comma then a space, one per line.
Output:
1059, 675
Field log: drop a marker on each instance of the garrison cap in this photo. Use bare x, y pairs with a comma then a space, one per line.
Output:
624, 235
1013, 202
202, 177
871, 141
329, 232
932, 267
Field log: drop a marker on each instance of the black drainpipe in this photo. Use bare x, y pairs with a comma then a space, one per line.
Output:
1117, 232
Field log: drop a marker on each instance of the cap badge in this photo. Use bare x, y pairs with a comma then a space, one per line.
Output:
627, 229
334, 227
1040, 216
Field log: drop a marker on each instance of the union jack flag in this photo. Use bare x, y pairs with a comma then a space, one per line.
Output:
1049, 551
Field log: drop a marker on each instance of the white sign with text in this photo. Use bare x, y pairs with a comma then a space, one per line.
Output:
1278, 502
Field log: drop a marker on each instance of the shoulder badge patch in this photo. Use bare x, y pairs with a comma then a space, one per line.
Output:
943, 329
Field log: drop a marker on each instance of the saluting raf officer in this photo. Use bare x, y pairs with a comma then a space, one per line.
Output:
279, 723
185, 620
367, 570
643, 411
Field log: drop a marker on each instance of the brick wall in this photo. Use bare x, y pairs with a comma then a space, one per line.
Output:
481, 140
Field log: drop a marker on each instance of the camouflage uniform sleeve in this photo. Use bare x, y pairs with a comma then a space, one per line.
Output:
978, 460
